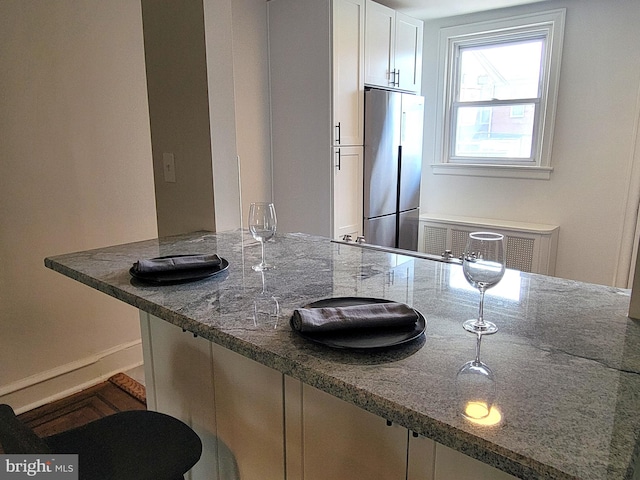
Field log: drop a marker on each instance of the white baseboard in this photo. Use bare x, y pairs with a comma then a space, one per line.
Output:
59, 382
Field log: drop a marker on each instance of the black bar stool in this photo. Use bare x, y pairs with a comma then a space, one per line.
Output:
132, 445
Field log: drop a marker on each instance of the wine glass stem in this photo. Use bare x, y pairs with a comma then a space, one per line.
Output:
481, 308
262, 244
478, 340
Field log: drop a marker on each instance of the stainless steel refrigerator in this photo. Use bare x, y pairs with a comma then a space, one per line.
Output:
392, 168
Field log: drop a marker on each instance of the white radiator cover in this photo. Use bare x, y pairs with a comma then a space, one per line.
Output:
530, 247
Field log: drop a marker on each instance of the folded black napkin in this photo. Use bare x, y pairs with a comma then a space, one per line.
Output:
176, 264
374, 315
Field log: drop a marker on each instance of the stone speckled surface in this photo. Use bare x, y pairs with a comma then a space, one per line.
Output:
566, 357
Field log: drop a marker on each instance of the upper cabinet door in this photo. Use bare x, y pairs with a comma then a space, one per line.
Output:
348, 67
379, 45
408, 53
393, 49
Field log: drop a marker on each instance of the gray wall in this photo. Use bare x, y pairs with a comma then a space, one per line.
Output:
208, 95
175, 54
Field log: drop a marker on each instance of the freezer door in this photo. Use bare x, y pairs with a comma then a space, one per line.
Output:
411, 151
380, 231
382, 138
408, 230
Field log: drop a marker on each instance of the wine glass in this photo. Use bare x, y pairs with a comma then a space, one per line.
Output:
483, 265
262, 225
475, 387
266, 307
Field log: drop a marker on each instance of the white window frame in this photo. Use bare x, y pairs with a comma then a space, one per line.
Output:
549, 24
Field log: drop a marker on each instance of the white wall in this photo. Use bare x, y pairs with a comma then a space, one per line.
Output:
251, 83
76, 174
593, 144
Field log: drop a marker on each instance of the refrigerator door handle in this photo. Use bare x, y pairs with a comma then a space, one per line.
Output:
338, 154
338, 133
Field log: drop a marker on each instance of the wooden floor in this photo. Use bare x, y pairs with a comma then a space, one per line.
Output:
117, 394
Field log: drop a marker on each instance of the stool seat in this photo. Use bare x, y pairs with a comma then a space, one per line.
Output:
131, 445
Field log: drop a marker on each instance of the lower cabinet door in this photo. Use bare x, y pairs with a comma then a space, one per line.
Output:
347, 192
234, 404
340, 441
452, 464
420, 457
249, 416
179, 382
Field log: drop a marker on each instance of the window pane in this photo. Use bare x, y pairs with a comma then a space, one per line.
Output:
505, 71
494, 131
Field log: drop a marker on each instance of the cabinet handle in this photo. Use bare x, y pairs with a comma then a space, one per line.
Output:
338, 131
397, 78
338, 154
393, 81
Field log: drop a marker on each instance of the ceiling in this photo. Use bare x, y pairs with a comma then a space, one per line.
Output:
429, 9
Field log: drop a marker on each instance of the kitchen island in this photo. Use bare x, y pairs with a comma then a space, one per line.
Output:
566, 361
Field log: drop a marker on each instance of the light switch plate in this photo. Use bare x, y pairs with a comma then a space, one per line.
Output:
169, 167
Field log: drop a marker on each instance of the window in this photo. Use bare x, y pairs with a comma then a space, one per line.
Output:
498, 90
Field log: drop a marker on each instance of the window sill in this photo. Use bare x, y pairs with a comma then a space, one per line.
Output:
497, 171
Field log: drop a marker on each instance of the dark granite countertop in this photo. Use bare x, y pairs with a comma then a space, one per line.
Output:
566, 358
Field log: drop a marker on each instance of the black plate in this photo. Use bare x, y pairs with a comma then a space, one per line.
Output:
362, 339
183, 276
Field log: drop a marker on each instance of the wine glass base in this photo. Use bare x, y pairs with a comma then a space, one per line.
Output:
262, 267
487, 329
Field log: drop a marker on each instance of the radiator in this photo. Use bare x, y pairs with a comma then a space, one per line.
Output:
529, 247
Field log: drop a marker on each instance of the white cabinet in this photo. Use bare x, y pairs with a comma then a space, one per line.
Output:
255, 422
347, 194
249, 417
393, 49
379, 45
337, 440
330, 438
233, 403
421, 453
317, 94
408, 53
429, 460
348, 74
452, 464
179, 382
